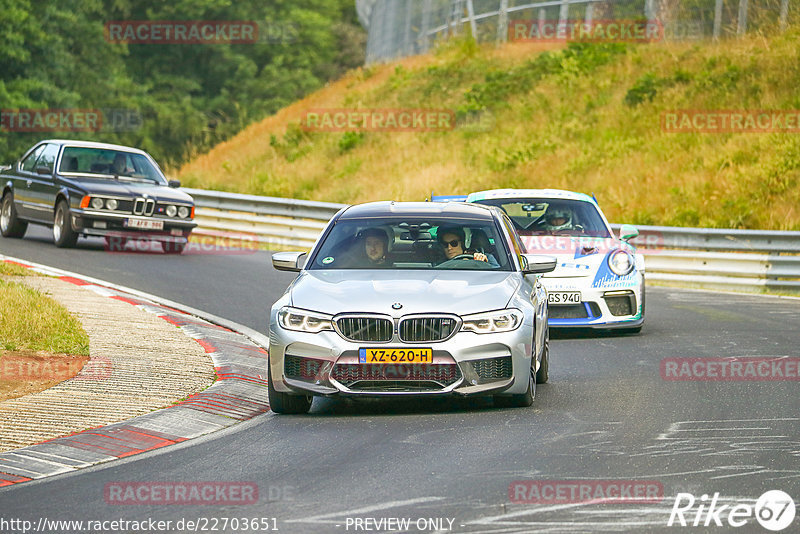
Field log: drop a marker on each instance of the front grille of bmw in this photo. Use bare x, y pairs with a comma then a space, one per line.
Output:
379, 329
411, 377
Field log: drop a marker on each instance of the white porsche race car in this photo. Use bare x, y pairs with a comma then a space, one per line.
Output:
599, 279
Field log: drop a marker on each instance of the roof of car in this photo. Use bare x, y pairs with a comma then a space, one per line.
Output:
92, 144
529, 193
417, 209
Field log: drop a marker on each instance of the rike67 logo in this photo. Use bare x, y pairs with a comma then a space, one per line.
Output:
774, 510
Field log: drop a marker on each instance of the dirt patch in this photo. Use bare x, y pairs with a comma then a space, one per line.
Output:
23, 372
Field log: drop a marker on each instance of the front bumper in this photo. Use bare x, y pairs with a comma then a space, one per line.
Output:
466, 364
600, 307
103, 224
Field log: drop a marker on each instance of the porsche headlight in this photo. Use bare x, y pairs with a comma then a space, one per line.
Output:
492, 322
97, 203
171, 211
620, 262
304, 320
183, 212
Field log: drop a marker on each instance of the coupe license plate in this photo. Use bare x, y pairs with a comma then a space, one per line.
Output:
564, 297
388, 355
144, 224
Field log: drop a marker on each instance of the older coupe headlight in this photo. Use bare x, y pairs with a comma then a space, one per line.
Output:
620, 262
171, 211
97, 203
304, 320
492, 322
183, 212
111, 204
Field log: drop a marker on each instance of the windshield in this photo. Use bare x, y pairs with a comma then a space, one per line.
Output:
108, 162
551, 216
432, 243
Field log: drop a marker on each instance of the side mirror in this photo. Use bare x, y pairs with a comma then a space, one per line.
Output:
628, 232
289, 261
175, 183
536, 264
43, 169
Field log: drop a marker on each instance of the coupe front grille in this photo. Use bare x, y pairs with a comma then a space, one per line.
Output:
413, 377
374, 329
493, 368
568, 311
418, 329
144, 206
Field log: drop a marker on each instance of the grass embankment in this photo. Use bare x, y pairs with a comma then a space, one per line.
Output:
41, 344
585, 118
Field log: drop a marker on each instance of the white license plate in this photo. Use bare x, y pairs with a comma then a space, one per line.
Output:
564, 297
144, 224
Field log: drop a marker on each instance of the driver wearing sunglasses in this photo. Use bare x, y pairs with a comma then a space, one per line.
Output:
452, 242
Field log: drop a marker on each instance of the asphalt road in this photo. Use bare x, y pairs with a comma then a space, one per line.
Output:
606, 414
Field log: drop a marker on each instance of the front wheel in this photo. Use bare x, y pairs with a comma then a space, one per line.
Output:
283, 402
10, 225
520, 400
63, 233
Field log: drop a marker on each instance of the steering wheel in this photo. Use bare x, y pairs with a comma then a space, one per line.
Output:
462, 257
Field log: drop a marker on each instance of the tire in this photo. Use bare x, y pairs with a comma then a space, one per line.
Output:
285, 403
542, 375
10, 225
520, 400
172, 247
63, 234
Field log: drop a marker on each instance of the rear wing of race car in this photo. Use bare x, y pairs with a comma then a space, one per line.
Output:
448, 198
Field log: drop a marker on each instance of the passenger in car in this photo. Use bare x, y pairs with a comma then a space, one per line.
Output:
452, 242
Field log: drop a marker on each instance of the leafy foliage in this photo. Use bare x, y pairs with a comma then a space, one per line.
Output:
190, 96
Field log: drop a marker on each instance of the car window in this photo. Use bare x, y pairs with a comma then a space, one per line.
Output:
516, 245
29, 163
552, 216
48, 157
109, 163
393, 243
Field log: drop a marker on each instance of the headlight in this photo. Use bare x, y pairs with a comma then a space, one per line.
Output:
183, 212
111, 204
492, 322
171, 211
303, 320
97, 203
620, 262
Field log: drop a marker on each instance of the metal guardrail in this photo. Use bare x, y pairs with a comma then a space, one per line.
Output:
702, 257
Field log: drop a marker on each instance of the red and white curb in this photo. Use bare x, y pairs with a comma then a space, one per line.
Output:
239, 393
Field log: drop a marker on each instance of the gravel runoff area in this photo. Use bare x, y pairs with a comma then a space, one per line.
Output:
138, 363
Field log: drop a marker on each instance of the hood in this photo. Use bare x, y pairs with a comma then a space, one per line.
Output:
357, 291
161, 193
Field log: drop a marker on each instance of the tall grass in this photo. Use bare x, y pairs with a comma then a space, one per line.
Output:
584, 117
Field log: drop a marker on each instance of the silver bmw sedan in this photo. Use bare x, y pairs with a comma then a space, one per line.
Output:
410, 298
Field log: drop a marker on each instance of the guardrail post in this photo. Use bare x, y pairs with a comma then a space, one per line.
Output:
717, 19
407, 50
742, 22
426, 22
784, 14
563, 14
502, 22
471, 14
649, 10
589, 14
